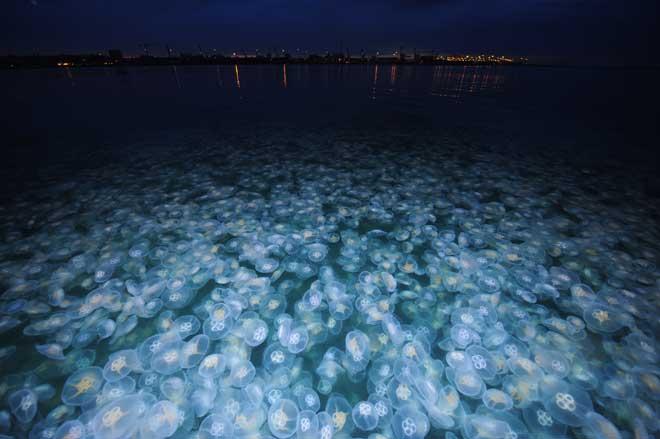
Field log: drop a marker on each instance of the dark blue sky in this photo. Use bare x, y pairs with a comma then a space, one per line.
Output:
602, 29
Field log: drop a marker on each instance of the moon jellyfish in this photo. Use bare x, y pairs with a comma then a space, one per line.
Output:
254, 331
193, 351
212, 366
468, 382
219, 323
23, 404
364, 416
166, 360
603, 319
297, 339
266, 265
242, 373
484, 427
162, 420
566, 403
541, 422
283, 418
497, 400
340, 410
409, 423
308, 425
308, 399
117, 389
597, 426
51, 350
120, 364
70, 430
187, 326
358, 351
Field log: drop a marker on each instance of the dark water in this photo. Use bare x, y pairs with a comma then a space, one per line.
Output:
484, 238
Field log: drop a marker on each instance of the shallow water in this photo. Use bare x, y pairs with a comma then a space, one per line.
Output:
401, 253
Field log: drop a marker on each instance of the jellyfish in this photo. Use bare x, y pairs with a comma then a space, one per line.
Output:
187, 326
340, 411
53, 351
254, 331
242, 373
410, 423
364, 416
567, 403
603, 319
212, 366
297, 339
120, 364
541, 422
219, 323
162, 419
174, 388
308, 399
357, 350
117, 389
82, 386
7, 323
468, 382
482, 361
598, 426
70, 430
23, 404
167, 360
216, 426
497, 400
193, 351
308, 425
283, 418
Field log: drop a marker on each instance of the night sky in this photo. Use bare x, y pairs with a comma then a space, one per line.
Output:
594, 30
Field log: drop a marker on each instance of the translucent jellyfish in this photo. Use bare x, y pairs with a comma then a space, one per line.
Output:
341, 309
283, 418
82, 386
176, 298
119, 418
212, 366
242, 373
410, 423
364, 416
120, 364
597, 426
497, 400
162, 420
340, 411
275, 356
482, 361
216, 426
174, 388
105, 328
53, 351
219, 323
254, 331
316, 252
166, 360
541, 422
463, 335
70, 430
524, 367
7, 323
187, 326
603, 319
308, 399
266, 265
193, 351
357, 349
567, 403
23, 404
117, 389
468, 382
484, 427
297, 339
308, 425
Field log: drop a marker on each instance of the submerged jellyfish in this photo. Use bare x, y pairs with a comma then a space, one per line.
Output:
212, 366
23, 404
409, 423
308, 425
340, 411
193, 351
497, 400
166, 360
53, 351
120, 364
162, 419
283, 418
242, 373
365, 416
70, 430
216, 426
119, 418
567, 403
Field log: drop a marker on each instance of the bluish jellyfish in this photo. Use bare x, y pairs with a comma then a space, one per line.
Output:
174, 388
254, 331
597, 426
540, 422
308, 399
82, 386
484, 427
364, 416
219, 323
7, 323
212, 366
105, 328
193, 351
266, 265
44, 391
603, 319
410, 423
567, 403
70, 430
187, 326
468, 382
118, 389
167, 360
120, 364
482, 361
216, 426
308, 425
242, 373
497, 400
297, 339
357, 350
162, 420
283, 418
23, 404
340, 411
53, 351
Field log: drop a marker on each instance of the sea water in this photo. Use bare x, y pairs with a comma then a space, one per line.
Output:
278, 280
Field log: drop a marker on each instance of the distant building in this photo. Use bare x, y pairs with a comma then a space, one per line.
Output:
115, 54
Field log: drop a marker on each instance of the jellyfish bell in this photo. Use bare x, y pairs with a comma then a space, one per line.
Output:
410, 423
73, 429
120, 364
283, 418
23, 404
53, 351
364, 416
216, 426
161, 420
566, 403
